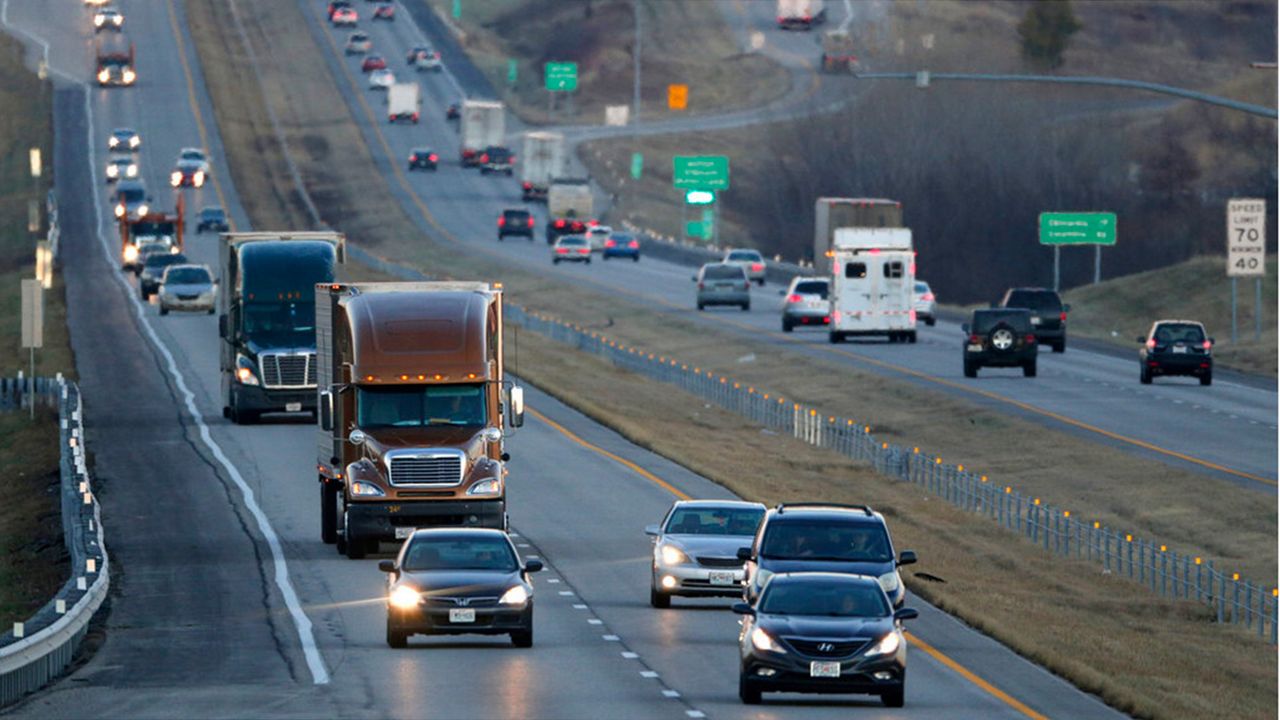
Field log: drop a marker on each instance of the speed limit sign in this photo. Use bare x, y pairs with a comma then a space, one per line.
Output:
1246, 237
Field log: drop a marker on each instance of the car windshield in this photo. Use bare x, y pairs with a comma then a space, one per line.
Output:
515, 214
1170, 333
212, 213
474, 553
622, 237
745, 255
714, 521
280, 324
187, 276
826, 540
420, 406
1038, 300
984, 322
132, 195
836, 599
165, 260
922, 287
192, 155
574, 241
812, 287
723, 272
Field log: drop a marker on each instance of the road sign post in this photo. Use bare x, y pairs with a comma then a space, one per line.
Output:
1246, 253
32, 327
1077, 228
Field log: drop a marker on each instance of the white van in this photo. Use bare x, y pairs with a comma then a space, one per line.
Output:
872, 284
403, 102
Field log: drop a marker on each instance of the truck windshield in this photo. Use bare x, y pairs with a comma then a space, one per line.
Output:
420, 405
280, 324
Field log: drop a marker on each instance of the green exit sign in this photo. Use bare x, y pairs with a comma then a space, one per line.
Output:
700, 172
562, 76
1085, 228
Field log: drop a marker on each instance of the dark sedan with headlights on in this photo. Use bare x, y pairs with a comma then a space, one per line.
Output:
818, 632
459, 581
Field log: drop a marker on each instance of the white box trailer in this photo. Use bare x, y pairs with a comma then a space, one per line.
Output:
483, 125
832, 213
800, 14
544, 157
873, 278
404, 102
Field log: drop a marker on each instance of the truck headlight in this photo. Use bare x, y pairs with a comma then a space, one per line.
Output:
143, 209
175, 178
672, 555
244, 371
515, 596
132, 171
98, 20
119, 210
112, 171
889, 582
135, 141
198, 178
404, 598
104, 75
130, 253
492, 486
364, 489
887, 645
129, 76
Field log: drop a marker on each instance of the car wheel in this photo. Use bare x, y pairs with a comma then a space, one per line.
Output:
701, 307
211, 311
746, 307
748, 692
588, 261
760, 282
1029, 369
931, 322
970, 369
635, 258
396, 638
328, 512
894, 698
353, 547
555, 261
1206, 379
1144, 375
658, 598
1060, 346
835, 338
786, 326
522, 638
164, 310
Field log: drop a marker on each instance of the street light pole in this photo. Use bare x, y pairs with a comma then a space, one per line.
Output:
635, 61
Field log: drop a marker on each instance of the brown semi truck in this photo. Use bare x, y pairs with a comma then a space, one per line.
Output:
114, 56
146, 228
412, 405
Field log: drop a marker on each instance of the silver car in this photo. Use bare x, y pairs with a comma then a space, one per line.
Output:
723, 284
571, 248
121, 166
695, 549
805, 303
925, 304
750, 260
187, 287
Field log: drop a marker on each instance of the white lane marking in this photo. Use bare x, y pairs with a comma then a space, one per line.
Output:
629, 655
315, 663
595, 621
579, 606
695, 713
553, 581
610, 638
671, 693
848, 15
648, 674
566, 593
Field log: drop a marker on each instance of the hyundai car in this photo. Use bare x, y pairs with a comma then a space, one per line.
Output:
723, 284
515, 221
621, 245
121, 166
211, 218
422, 158
570, 248
123, 139
153, 267
925, 304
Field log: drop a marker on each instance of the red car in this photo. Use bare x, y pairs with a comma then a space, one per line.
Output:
384, 11
345, 17
373, 62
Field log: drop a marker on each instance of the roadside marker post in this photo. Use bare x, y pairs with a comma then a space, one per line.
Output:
32, 327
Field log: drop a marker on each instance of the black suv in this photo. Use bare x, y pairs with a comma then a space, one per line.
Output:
823, 537
211, 218
422, 158
153, 270
1048, 313
497, 159
821, 632
515, 221
1000, 338
1176, 347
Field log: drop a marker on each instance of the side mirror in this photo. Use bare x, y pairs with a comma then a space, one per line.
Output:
1066, 307
533, 566
905, 614
694, 278
387, 566
653, 530
324, 410
744, 553
745, 609
964, 328
357, 437
1212, 341
222, 326
517, 407
907, 557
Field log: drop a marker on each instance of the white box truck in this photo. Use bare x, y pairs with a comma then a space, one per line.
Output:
873, 279
569, 204
404, 102
801, 14
543, 155
832, 213
483, 125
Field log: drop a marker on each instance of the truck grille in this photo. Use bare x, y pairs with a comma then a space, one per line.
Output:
288, 370
441, 468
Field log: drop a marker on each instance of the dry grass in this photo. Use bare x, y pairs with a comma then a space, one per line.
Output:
1120, 642
1119, 310
35, 562
1107, 635
683, 42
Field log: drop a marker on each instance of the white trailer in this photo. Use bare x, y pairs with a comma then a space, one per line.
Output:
483, 125
873, 277
800, 14
832, 213
543, 155
404, 102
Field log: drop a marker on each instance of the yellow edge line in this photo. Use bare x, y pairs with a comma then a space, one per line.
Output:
964, 672
195, 110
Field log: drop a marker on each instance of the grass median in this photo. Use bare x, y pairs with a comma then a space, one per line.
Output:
1058, 614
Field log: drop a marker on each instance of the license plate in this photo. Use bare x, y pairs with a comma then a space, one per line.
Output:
824, 669
1035, 320
1179, 350
975, 348
403, 532
462, 615
293, 407
723, 578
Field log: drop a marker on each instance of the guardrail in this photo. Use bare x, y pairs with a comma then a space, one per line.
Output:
38, 650
1174, 575
17, 392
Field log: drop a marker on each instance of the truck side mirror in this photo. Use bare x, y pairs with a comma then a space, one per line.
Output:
222, 326
517, 407
324, 410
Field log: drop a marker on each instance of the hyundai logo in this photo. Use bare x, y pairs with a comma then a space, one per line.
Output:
462, 602
826, 647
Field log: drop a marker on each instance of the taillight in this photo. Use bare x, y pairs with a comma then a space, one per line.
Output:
413, 158
1031, 339
502, 221
975, 340
757, 267
433, 157
746, 285
794, 298
1151, 344
594, 223
484, 158
415, 117
1062, 316
562, 251
526, 185
559, 223
512, 160
584, 251
633, 244
530, 221
1206, 345
610, 243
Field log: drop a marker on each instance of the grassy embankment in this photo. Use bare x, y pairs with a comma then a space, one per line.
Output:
32, 560
1106, 635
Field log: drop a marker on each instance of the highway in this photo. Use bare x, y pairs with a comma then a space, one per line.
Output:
1095, 395
227, 604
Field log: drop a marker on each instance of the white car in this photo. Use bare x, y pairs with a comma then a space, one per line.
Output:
195, 156
188, 288
805, 303
124, 139
750, 260
108, 18
358, 43
121, 166
695, 549
925, 304
596, 235
424, 58
381, 79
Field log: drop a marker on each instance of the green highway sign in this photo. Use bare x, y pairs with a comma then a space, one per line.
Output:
562, 76
1086, 228
513, 71
637, 165
701, 172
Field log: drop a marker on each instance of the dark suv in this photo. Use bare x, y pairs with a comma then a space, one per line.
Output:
1176, 347
515, 221
1048, 314
497, 159
1000, 338
823, 537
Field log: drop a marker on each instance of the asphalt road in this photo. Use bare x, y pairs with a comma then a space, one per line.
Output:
1227, 430
226, 602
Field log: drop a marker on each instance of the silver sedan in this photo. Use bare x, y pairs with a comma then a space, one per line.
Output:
695, 549
187, 287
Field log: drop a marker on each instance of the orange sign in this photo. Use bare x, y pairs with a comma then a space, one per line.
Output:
677, 97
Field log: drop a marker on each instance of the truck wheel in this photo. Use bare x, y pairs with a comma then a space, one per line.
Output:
396, 638
522, 638
555, 261
931, 322
354, 547
701, 307
1060, 346
835, 338
1029, 369
746, 307
164, 310
911, 337
970, 369
1144, 375
328, 512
